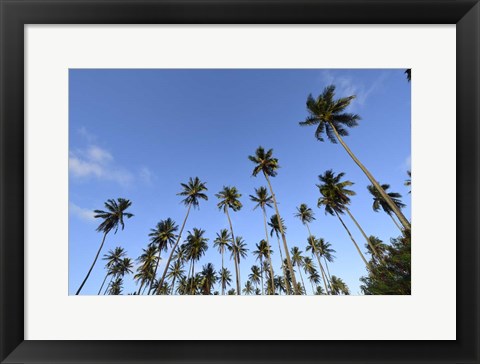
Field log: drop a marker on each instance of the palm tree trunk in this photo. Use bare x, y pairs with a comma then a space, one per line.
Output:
353, 240
328, 270
141, 286
93, 264
160, 284
396, 223
193, 281
108, 285
283, 267
173, 285
364, 235
301, 277
223, 288
268, 247
285, 246
235, 258
319, 263
155, 272
261, 272
386, 197
100, 290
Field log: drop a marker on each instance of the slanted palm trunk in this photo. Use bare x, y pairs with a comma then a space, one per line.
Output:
268, 247
160, 283
173, 285
261, 272
353, 240
283, 267
108, 285
386, 197
141, 286
374, 251
395, 222
223, 286
301, 278
319, 263
93, 264
287, 254
235, 258
328, 270
193, 274
100, 290
155, 272
326, 283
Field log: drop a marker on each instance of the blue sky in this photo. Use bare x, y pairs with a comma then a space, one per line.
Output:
138, 134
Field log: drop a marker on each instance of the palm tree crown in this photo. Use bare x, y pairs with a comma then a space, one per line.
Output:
193, 192
114, 215
264, 162
262, 199
335, 195
305, 214
164, 234
229, 199
379, 201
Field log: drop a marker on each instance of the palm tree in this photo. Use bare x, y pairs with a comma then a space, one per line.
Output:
225, 278
193, 191
116, 287
275, 225
335, 198
379, 202
113, 257
380, 247
263, 200
162, 236
112, 219
238, 250
231, 292
248, 290
309, 268
339, 286
265, 163
176, 272
297, 259
209, 278
319, 291
221, 242
255, 276
329, 117
147, 262
229, 199
263, 251
313, 246
314, 278
326, 251
196, 246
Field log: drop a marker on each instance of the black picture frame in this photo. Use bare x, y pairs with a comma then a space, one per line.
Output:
17, 13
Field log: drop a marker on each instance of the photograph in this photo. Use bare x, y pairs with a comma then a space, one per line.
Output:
243, 182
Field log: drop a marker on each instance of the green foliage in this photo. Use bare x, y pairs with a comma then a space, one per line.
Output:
393, 275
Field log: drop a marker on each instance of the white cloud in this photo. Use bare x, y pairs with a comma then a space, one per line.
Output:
95, 162
346, 86
81, 213
146, 175
86, 134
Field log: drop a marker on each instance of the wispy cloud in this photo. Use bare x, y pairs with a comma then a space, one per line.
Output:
407, 163
96, 162
84, 133
347, 86
146, 175
81, 213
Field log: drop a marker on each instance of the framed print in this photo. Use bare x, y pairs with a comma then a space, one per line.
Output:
232, 181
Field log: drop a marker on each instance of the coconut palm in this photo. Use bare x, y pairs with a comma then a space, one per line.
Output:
116, 287
380, 247
193, 191
248, 290
314, 278
379, 202
275, 229
255, 276
209, 278
222, 242
195, 247
335, 198
265, 163
230, 199
326, 251
225, 279
238, 250
329, 118
163, 236
113, 257
113, 217
319, 291
147, 262
176, 272
263, 251
339, 286
309, 268
263, 200
297, 259
231, 292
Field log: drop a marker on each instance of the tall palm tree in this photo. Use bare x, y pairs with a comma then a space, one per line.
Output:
335, 198
314, 278
263, 251
297, 259
162, 237
255, 276
309, 268
230, 199
238, 249
326, 251
222, 242
225, 278
339, 286
193, 191
379, 202
176, 272
113, 257
313, 246
380, 247
263, 200
329, 117
116, 287
209, 278
147, 262
196, 246
265, 163
275, 225
112, 219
